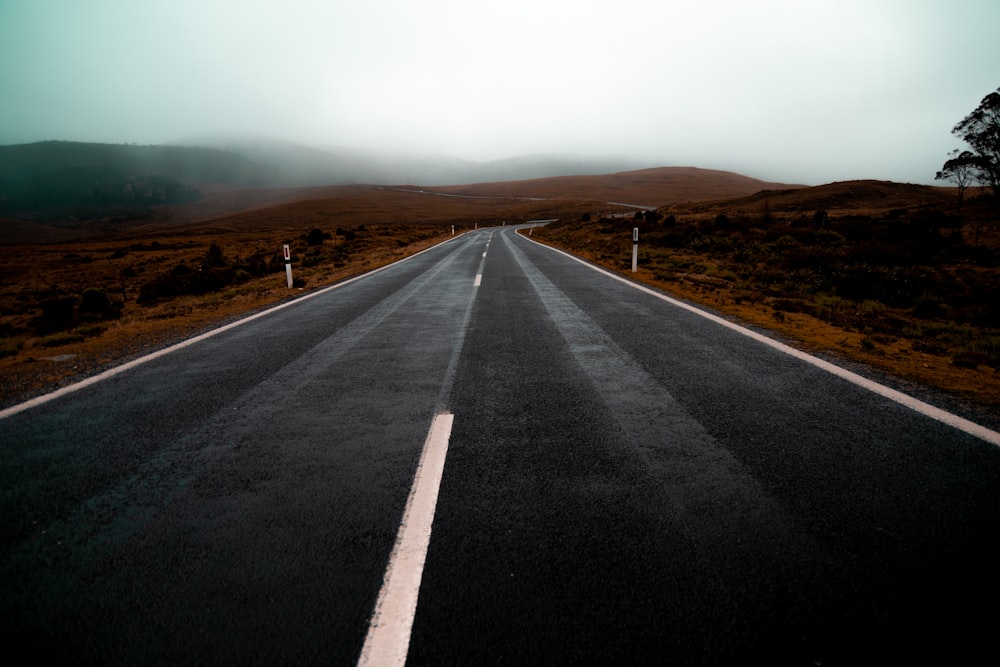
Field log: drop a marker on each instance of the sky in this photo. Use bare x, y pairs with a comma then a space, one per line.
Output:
797, 91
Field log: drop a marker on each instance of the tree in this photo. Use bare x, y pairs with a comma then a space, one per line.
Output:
961, 170
981, 130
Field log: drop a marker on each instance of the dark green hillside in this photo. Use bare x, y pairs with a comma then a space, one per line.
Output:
186, 164
65, 182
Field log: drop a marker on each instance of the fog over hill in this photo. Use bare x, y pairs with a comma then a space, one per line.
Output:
54, 180
66, 184
264, 162
297, 165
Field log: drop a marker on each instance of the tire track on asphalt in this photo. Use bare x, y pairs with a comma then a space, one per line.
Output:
955, 421
718, 501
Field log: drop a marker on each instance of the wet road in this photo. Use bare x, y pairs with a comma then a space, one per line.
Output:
626, 481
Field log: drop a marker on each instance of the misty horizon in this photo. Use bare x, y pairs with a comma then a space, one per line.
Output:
273, 163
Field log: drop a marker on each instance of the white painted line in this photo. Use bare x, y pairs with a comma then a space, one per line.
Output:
926, 409
388, 639
111, 372
478, 281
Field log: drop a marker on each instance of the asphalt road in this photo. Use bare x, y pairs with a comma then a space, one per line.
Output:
626, 481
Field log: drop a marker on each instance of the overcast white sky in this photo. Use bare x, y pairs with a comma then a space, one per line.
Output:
805, 91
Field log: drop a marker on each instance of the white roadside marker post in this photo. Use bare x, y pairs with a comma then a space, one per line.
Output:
453, 230
288, 265
635, 248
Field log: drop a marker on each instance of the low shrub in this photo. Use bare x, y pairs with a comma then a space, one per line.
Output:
58, 314
95, 304
10, 346
316, 237
183, 280
983, 351
971, 360
61, 338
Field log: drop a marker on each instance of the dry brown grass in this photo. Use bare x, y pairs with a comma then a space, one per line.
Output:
38, 261
712, 282
854, 197
31, 273
647, 187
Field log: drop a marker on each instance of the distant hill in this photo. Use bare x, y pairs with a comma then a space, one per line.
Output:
646, 188
185, 164
63, 182
683, 190
60, 181
651, 188
295, 165
843, 196
71, 184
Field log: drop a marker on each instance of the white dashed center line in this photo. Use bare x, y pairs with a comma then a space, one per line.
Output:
388, 637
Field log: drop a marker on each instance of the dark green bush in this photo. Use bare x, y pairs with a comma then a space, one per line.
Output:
215, 258
182, 280
58, 314
95, 302
316, 237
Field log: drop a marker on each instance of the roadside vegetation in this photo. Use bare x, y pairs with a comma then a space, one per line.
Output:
913, 290
68, 309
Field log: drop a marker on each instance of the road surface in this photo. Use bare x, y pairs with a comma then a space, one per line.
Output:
623, 480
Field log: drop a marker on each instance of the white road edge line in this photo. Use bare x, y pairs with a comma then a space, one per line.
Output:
111, 372
478, 281
388, 639
962, 424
